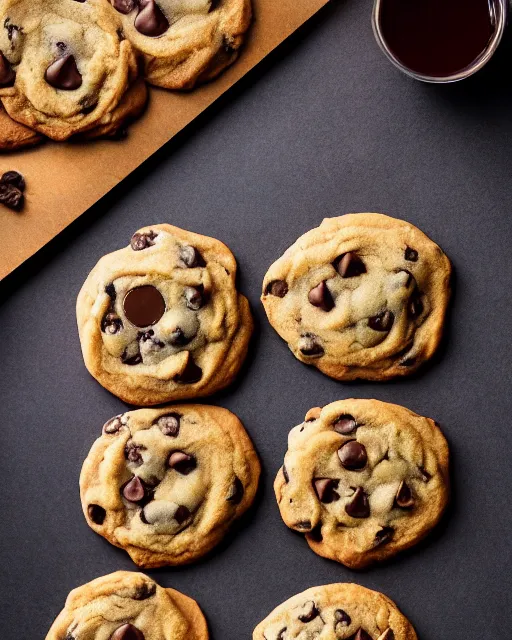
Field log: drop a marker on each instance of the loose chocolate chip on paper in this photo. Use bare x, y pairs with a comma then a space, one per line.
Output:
349, 265
277, 288
353, 455
96, 513
345, 424
309, 612
182, 462
404, 497
181, 514
325, 489
309, 345
7, 74
127, 632
124, 6
11, 197
63, 74
134, 490
169, 424
382, 322
321, 297
140, 241
15, 178
384, 535
359, 506
192, 373
411, 254
236, 492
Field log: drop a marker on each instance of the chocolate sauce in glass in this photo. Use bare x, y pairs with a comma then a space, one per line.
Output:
437, 37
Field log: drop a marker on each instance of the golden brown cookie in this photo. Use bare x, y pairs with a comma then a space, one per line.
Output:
166, 484
15, 136
361, 296
128, 606
336, 612
363, 480
161, 319
185, 42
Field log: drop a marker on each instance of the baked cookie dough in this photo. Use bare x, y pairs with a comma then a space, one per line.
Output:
128, 606
15, 136
64, 66
336, 612
161, 319
166, 484
185, 42
363, 480
361, 296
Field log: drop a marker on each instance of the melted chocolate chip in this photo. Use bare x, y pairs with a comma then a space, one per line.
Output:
144, 306
277, 288
236, 492
190, 257
305, 525
411, 254
181, 514
310, 612
285, 474
309, 345
341, 618
144, 240
382, 322
404, 497
192, 373
384, 535
144, 591
110, 290
124, 6
134, 490
178, 338
359, 506
127, 632
63, 74
11, 197
325, 489
169, 424
182, 462
349, 265
321, 297
194, 297
345, 424
130, 360
353, 455
132, 452
14, 178
387, 635
316, 534
96, 513
148, 336
111, 323
150, 20
114, 425
7, 74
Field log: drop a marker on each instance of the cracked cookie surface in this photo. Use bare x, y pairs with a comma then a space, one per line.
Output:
166, 484
161, 319
336, 612
128, 606
185, 42
361, 296
64, 67
363, 480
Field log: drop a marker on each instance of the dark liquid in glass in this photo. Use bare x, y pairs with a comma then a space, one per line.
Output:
437, 37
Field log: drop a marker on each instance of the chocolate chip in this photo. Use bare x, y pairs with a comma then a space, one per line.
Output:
62, 46
144, 591
325, 489
7, 74
130, 360
182, 514
169, 424
124, 6
194, 297
96, 513
192, 373
63, 74
148, 336
321, 297
150, 20
345, 424
14, 178
359, 506
310, 612
280, 635
133, 490
361, 634
127, 632
178, 338
382, 322
404, 497
411, 254
342, 618
236, 492
383, 536
353, 455
387, 635
416, 305
309, 345
316, 534
114, 425
277, 288
111, 323
11, 197
182, 462
425, 475
132, 452
285, 474
110, 290
349, 265
144, 240
144, 306
305, 525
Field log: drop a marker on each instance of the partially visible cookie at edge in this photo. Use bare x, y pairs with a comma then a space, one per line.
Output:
361, 296
14, 136
336, 612
128, 606
363, 480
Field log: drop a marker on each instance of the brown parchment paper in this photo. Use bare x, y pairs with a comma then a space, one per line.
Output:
64, 180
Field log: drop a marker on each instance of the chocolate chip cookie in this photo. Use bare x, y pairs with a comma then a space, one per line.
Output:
166, 484
337, 612
64, 65
361, 296
161, 319
128, 606
363, 480
15, 136
185, 42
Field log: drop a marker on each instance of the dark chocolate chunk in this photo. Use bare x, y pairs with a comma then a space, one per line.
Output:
110, 290
305, 525
416, 305
411, 254
96, 513
384, 535
349, 265
63, 74
144, 306
345, 424
144, 240
325, 489
182, 462
7, 74
387, 635
309, 613
134, 490
148, 336
169, 424
113, 425
316, 533
130, 360
150, 20
359, 506
181, 514
382, 321
404, 497
277, 288
111, 323
192, 373
14, 178
236, 492
144, 591
127, 632
321, 297
194, 297
124, 6
309, 345
353, 455
285, 474
11, 196
190, 257
132, 452
341, 618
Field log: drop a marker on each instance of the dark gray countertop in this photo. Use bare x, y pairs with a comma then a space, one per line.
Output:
325, 126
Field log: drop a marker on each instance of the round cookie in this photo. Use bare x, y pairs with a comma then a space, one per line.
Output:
361, 296
336, 612
128, 606
64, 67
14, 136
363, 480
166, 484
185, 42
161, 319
